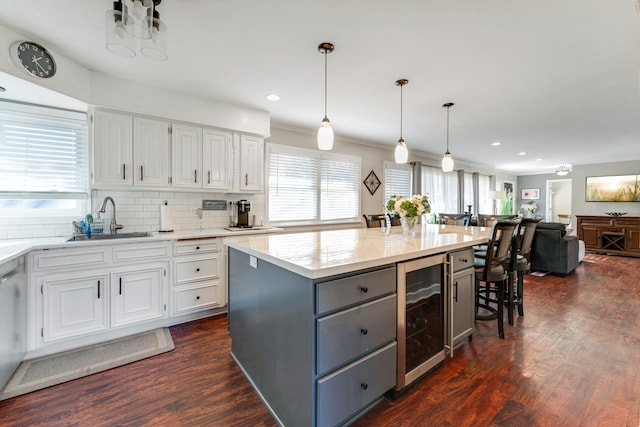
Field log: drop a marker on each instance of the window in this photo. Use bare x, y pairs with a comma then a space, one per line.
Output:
43, 160
397, 180
485, 205
308, 186
442, 189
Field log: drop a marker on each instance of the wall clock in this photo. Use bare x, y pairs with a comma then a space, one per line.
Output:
34, 59
371, 182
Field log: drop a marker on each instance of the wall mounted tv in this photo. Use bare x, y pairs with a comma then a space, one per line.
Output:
619, 188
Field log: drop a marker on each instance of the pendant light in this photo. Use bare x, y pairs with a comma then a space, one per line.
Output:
401, 154
447, 161
325, 133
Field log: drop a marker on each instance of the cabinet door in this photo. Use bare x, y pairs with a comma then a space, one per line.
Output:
216, 150
138, 294
74, 305
251, 162
633, 240
151, 152
112, 149
590, 236
463, 300
187, 156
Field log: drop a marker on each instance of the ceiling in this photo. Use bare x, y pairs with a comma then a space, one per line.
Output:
558, 80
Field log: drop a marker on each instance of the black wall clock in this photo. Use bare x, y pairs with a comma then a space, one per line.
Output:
34, 59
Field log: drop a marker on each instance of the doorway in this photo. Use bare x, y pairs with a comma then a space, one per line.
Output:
559, 201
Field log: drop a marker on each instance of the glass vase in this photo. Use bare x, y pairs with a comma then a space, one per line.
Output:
408, 223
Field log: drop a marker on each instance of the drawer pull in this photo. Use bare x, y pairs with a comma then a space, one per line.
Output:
198, 297
364, 331
364, 289
364, 386
464, 260
197, 247
197, 269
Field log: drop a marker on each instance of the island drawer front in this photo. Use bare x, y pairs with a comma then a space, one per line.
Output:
64, 258
192, 247
141, 251
344, 336
196, 269
462, 260
347, 391
194, 298
339, 293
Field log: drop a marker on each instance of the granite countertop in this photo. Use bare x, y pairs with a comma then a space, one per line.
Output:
326, 253
13, 248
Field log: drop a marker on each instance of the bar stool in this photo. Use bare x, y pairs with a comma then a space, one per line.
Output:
523, 260
491, 269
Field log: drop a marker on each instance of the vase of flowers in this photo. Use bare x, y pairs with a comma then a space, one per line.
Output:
529, 209
409, 209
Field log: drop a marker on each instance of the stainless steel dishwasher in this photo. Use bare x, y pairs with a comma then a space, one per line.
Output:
13, 317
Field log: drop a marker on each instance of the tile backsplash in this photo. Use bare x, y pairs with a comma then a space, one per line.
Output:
140, 211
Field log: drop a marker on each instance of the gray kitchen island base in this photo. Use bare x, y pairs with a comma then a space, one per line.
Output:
274, 319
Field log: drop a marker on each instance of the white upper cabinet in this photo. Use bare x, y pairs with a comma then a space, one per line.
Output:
150, 152
112, 149
129, 151
251, 164
187, 156
216, 159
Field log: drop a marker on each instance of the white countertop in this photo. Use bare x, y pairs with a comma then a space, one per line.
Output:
13, 248
326, 253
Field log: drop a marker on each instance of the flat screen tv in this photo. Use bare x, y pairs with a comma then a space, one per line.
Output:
619, 188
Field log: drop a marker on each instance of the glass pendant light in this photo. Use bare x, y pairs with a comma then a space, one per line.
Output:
447, 161
117, 39
325, 133
401, 153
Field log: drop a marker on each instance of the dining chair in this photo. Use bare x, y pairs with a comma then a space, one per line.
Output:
454, 219
375, 220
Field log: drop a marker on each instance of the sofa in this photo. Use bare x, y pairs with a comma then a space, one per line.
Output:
553, 250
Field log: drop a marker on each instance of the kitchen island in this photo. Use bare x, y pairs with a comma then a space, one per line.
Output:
313, 316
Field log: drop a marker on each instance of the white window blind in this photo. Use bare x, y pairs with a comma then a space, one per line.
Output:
397, 180
307, 186
43, 153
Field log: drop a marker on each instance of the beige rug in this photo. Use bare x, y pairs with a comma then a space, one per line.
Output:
57, 368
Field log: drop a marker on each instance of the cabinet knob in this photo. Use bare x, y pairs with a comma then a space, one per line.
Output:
363, 331
364, 386
198, 297
197, 247
364, 289
464, 260
197, 269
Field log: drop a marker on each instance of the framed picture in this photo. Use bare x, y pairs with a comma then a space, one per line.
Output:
620, 188
530, 194
371, 182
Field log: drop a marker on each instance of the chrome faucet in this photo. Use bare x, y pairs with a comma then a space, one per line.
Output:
114, 224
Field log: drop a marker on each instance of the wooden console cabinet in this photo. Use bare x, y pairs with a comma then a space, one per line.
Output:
608, 234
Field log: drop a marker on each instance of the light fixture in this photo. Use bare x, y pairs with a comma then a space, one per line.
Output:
401, 153
447, 161
273, 97
325, 133
563, 170
135, 25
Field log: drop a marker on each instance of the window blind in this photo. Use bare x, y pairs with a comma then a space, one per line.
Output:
397, 180
310, 187
43, 153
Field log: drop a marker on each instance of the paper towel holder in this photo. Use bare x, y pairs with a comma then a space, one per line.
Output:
166, 218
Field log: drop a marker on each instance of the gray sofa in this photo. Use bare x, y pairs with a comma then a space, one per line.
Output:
553, 250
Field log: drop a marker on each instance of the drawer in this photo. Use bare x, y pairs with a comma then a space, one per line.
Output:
346, 335
196, 246
190, 269
141, 251
195, 298
461, 260
340, 293
347, 391
64, 258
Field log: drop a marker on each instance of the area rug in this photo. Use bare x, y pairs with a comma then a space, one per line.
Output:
57, 368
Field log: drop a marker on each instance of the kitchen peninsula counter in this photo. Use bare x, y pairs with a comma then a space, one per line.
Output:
313, 315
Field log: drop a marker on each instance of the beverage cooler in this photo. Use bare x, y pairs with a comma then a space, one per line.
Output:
421, 317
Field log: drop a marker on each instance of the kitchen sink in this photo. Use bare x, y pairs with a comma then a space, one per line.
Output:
82, 237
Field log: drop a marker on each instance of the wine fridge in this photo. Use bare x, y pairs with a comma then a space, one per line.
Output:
421, 317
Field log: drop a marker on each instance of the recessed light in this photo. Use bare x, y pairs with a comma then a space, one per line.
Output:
522, 153
496, 143
273, 97
538, 160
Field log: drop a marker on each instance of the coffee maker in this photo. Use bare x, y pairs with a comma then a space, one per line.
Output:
242, 213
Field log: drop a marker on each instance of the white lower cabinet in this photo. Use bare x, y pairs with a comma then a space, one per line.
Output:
199, 282
82, 292
137, 294
74, 304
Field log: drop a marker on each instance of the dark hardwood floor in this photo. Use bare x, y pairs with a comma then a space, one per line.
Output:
573, 360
